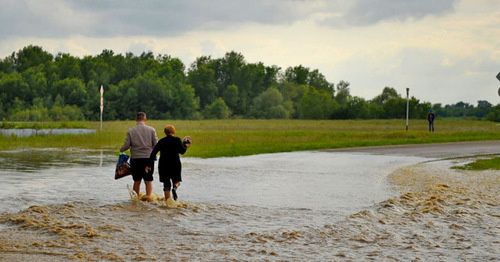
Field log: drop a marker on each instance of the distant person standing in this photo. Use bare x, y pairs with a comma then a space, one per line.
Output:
169, 165
141, 140
430, 118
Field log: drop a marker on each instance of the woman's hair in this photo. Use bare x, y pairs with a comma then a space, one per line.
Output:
169, 130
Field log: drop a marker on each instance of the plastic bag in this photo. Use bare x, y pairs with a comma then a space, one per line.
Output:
123, 166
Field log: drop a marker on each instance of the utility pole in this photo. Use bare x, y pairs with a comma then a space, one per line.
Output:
102, 104
407, 106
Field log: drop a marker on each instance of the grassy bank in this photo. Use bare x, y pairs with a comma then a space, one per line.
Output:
482, 164
214, 138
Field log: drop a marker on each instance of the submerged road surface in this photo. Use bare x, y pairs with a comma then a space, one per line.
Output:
391, 203
441, 150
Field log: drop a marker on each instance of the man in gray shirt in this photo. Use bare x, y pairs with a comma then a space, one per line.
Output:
141, 139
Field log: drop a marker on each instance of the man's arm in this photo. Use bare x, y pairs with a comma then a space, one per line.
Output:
126, 145
155, 138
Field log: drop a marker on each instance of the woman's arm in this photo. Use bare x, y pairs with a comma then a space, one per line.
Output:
152, 156
182, 147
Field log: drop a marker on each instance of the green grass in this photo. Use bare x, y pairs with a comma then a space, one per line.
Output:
215, 138
482, 164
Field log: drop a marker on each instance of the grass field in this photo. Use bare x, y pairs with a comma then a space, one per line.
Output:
216, 138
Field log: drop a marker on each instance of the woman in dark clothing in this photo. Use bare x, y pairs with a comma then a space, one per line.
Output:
169, 165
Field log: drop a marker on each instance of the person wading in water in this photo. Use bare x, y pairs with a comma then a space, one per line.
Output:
141, 140
169, 165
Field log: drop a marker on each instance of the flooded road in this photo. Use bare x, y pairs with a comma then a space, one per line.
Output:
339, 206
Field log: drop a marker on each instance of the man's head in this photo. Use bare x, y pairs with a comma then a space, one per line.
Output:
140, 117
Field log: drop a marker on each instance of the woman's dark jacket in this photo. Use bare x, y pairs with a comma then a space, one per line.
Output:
169, 165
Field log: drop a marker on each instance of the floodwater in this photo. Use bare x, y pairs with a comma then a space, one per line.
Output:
24, 132
323, 206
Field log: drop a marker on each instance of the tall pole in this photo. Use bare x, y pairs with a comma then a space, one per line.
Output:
407, 106
102, 104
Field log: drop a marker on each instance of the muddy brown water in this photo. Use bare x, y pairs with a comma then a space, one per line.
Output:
322, 206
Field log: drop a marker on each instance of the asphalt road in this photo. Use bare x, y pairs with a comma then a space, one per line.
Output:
441, 150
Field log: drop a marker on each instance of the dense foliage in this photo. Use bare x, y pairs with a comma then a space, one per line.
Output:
36, 86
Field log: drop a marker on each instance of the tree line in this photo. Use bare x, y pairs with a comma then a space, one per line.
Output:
37, 86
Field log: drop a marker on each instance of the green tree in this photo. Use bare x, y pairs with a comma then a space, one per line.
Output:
231, 97
171, 68
494, 115
387, 93
36, 81
343, 93
32, 81
69, 66
418, 110
394, 108
292, 94
218, 110
228, 69
13, 86
356, 108
87, 69
31, 56
115, 106
233, 70
202, 78
316, 105
304, 76
143, 93
16, 106
269, 104
91, 109
72, 90
256, 78
318, 80
438, 110
298, 75
103, 72
59, 101
459, 109
483, 108
185, 102
375, 111
7, 65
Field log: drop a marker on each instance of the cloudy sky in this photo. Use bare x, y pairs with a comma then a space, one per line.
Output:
445, 51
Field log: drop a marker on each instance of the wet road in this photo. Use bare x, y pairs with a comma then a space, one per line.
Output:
392, 203
441, 150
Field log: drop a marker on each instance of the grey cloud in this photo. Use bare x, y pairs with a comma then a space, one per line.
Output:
367, 12
42, 18
16, 18
97, 18
130, 17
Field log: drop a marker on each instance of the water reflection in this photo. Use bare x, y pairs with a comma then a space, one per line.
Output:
33, 160
25, 132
